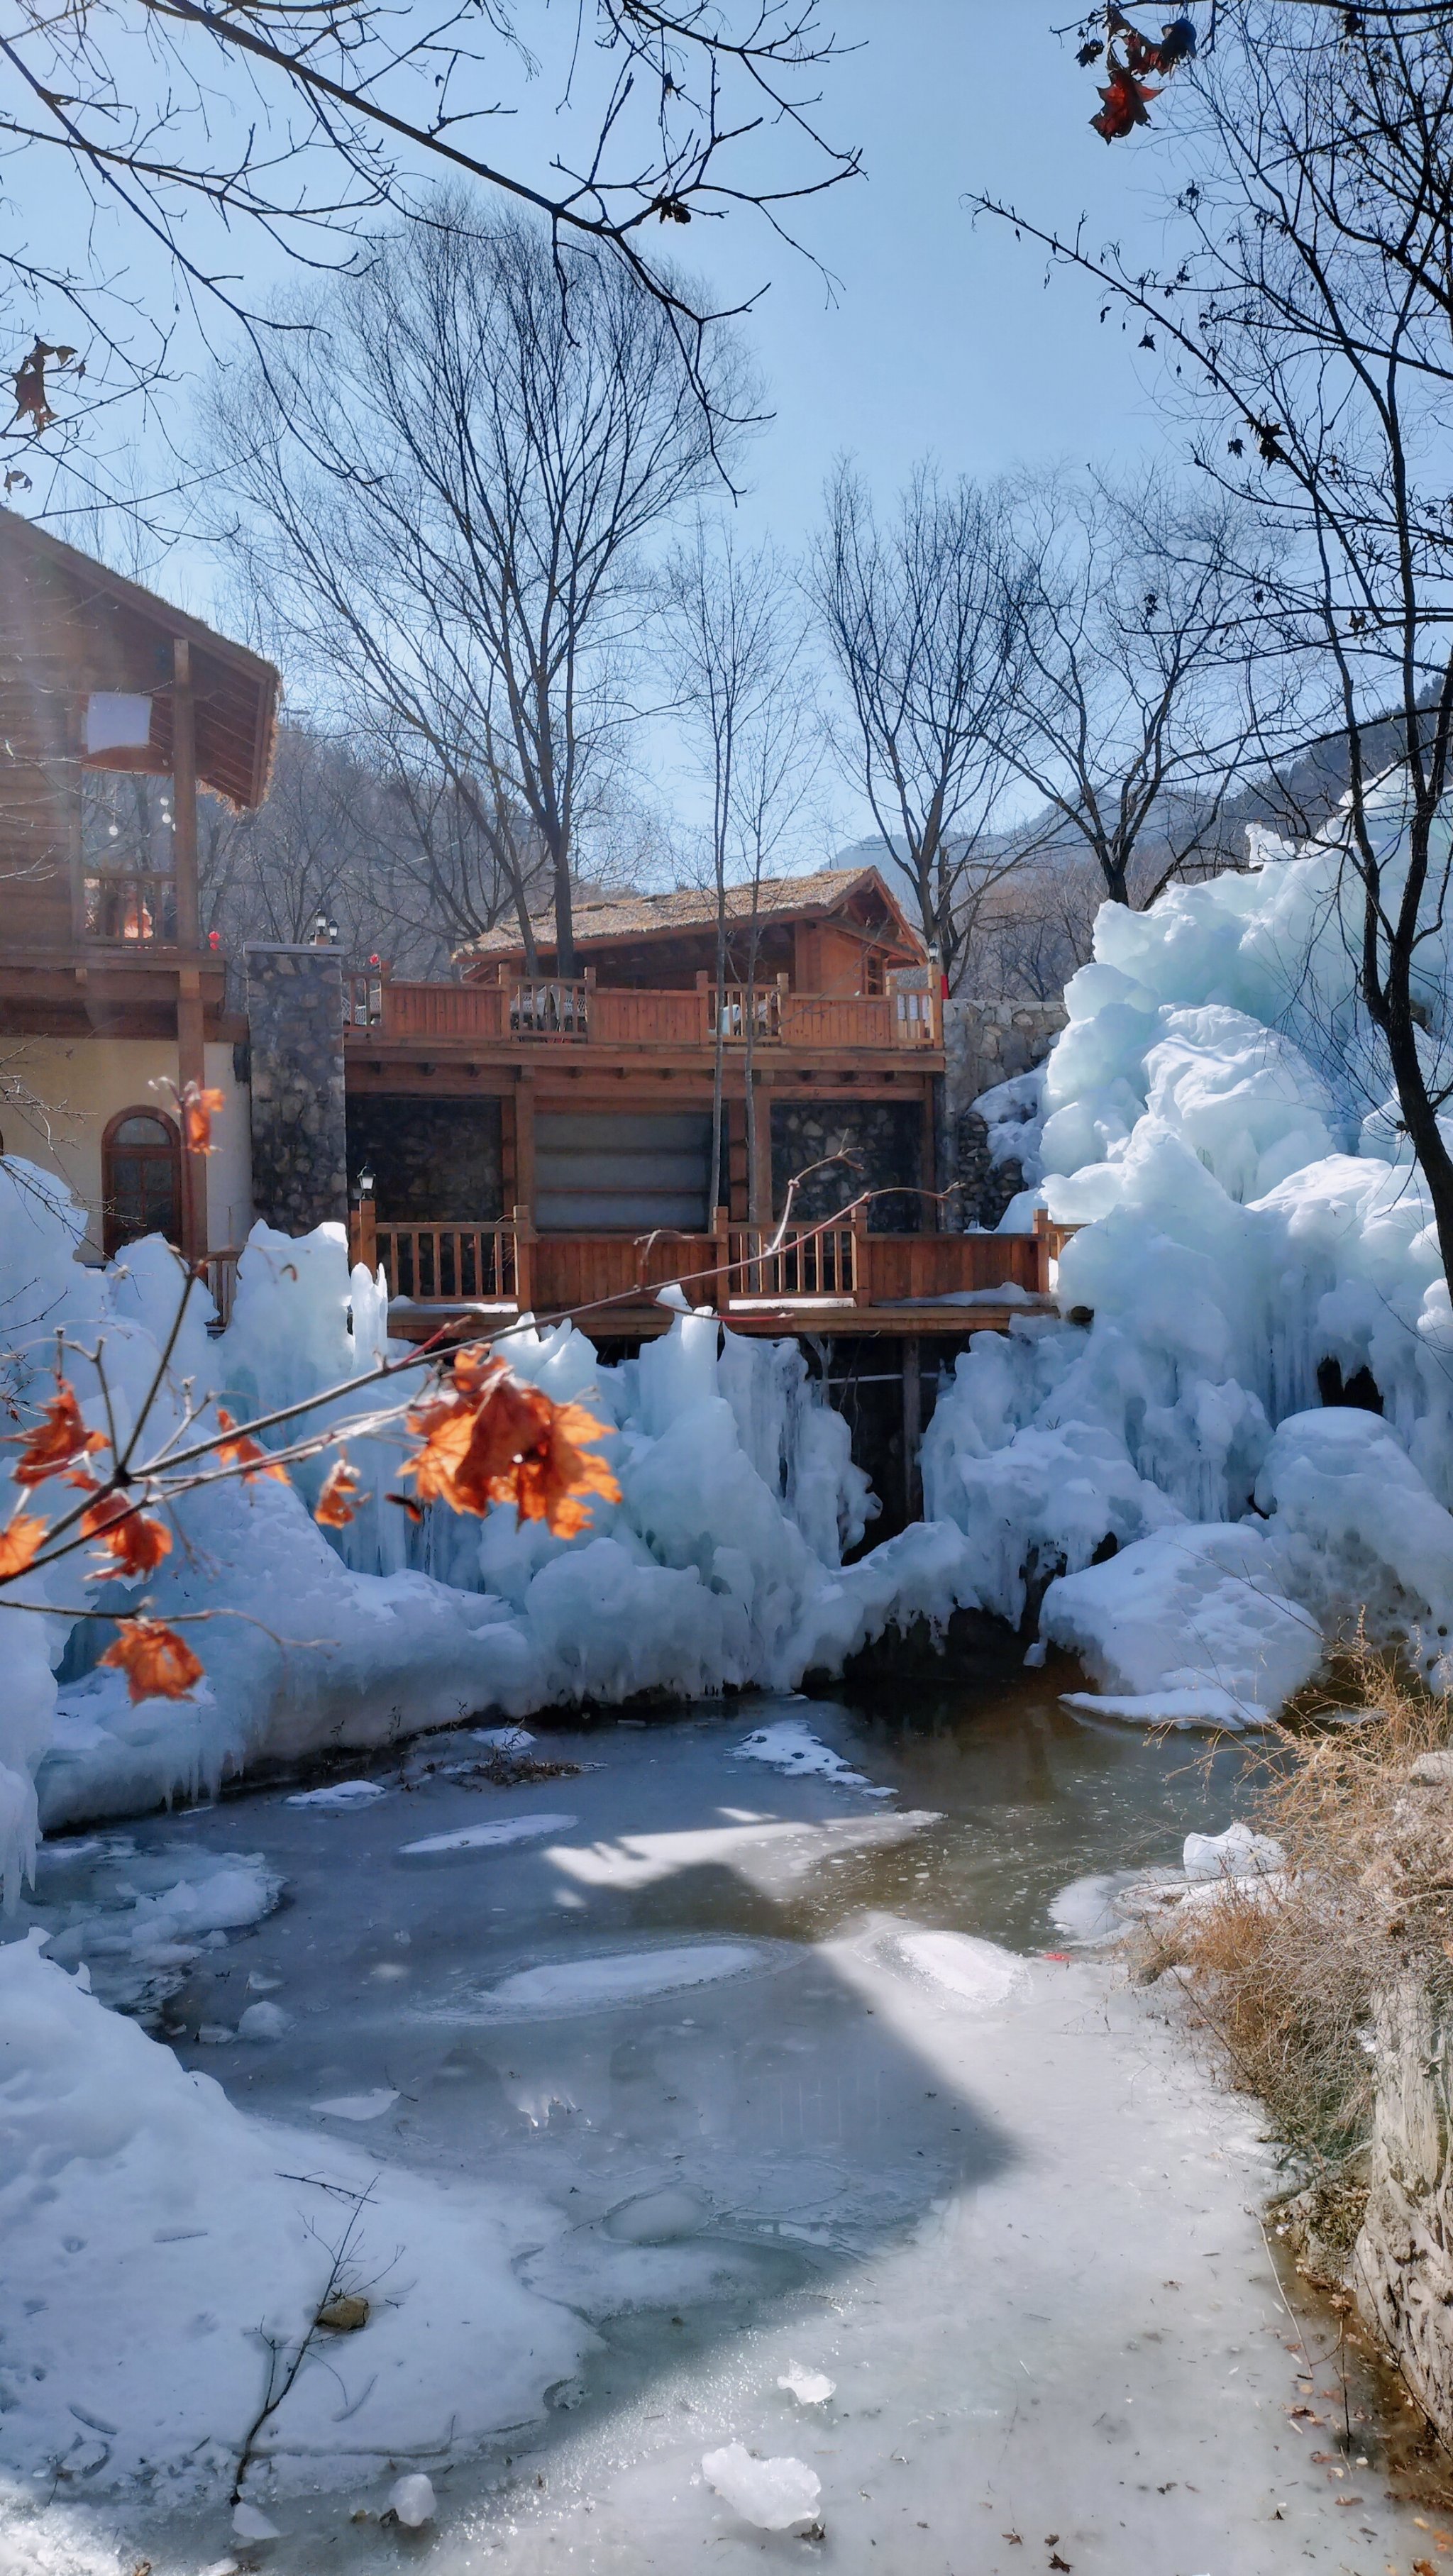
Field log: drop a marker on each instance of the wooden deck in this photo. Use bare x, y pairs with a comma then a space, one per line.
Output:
827, 1279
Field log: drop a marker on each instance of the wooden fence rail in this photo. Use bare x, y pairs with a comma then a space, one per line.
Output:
566, 1010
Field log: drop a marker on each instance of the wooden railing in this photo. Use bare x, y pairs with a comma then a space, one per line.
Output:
574, 1010
504, 1262
138, 908
1053, 1237
821, 1261
439, 1264
219, 1271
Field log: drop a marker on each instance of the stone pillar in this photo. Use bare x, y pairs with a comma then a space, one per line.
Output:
299, 1127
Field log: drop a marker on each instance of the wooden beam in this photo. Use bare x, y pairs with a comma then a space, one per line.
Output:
184, 797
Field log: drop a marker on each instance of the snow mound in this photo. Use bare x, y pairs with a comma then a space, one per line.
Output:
1188, 1623
473, 1838
341, 1796
620, 1977
135, 2200
977, 1974
789, 1745
809, 2387
773, 2494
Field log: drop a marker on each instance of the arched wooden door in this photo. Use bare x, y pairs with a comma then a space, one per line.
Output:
141, 1179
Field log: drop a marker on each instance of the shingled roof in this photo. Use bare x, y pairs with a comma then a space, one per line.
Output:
609, 917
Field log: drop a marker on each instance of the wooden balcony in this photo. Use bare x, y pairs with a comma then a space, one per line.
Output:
562, 1013
832, 1277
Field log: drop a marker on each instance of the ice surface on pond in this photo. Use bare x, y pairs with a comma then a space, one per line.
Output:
773, 2494
619, 1978
513, 1829
342, 1794
809, 2387
789, 1745
592, 2241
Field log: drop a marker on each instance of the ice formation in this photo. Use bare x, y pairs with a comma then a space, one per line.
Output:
1218, 1122
773, 2494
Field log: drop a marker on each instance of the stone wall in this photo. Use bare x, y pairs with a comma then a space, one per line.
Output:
989, 1042
885, 1139
433, 1161
295, 1045
986, 1043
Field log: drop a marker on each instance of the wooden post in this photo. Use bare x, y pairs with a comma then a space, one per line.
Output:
759, 1153
721, 1237
862, 1286
912, 1431
524, 1237
1041, 1236
364, 1231
191, 1054
525, 1140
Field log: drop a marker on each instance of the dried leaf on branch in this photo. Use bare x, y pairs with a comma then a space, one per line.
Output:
245, 1452
135, 1540
58, 1441
488, 1437
158, 1664
1126, 94
338, 1501
32, 396
199, 1108
20, 1543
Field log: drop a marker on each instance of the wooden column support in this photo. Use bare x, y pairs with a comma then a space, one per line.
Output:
524, 1266
912, 1430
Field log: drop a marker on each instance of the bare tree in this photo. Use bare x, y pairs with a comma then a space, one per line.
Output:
1314, 298
1141, 691
920, 619
736, 647
171, 132
447, 490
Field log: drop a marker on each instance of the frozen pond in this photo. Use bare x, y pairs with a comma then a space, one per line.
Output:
762, 2077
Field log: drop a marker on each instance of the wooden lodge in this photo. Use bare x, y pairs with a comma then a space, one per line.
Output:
508, 1139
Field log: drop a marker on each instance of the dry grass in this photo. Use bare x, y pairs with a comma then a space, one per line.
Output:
1284, 1977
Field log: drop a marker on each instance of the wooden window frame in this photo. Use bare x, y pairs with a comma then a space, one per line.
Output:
111, 1241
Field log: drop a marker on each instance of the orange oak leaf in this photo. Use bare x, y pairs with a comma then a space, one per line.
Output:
245, 1452
339, 1497
58, 1439
199, 1108
158, 1664
135, 1539
19, 1543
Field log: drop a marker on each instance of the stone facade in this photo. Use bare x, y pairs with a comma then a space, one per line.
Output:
433, 1161
299, 1128
985, 1043
885, 1139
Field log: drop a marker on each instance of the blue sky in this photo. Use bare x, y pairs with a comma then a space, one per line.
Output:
943, 334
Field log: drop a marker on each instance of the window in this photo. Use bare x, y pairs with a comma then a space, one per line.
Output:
141, 1179
874, 977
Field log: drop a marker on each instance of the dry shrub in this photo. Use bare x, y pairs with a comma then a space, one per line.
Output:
1283, 1975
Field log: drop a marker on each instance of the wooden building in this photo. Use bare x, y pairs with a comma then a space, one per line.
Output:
506, 1139
108, 990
